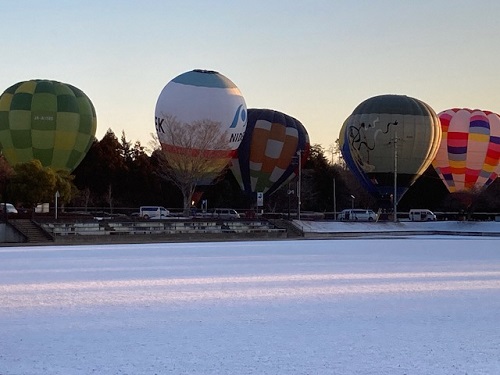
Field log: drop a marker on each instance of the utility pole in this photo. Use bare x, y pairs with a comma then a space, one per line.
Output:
57, 195
299, 152
395, 196
334, 201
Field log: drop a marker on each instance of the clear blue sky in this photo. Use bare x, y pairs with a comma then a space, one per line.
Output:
314, 60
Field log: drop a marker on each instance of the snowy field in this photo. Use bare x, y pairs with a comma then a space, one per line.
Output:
428, 305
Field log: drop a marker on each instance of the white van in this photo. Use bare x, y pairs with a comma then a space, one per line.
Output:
153, 212
357, 215
420, 214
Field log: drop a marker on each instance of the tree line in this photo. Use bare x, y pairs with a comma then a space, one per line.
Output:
118, 175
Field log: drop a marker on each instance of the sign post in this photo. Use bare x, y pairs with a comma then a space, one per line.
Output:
260, 202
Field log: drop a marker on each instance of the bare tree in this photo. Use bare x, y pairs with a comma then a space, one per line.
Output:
86, 194
194, 154
153, 144
109, 197
336, 154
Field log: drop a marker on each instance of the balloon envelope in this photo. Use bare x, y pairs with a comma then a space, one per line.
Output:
201, 100
469, 153
388, 134
353, 167
265, 159
46, 120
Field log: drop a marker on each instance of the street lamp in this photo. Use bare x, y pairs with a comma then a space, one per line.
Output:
289, 192
352, 201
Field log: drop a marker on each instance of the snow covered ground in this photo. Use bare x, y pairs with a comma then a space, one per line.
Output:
365, 306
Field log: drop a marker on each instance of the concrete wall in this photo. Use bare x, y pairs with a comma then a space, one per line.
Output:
9, 234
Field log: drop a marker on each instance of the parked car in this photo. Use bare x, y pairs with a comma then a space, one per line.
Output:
9, 207
421, 214
153, 212
225, 213
357, 215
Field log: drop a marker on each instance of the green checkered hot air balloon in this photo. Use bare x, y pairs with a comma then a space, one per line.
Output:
50, 121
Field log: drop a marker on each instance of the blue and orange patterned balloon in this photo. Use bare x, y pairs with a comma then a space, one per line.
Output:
266, 155
469, 154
